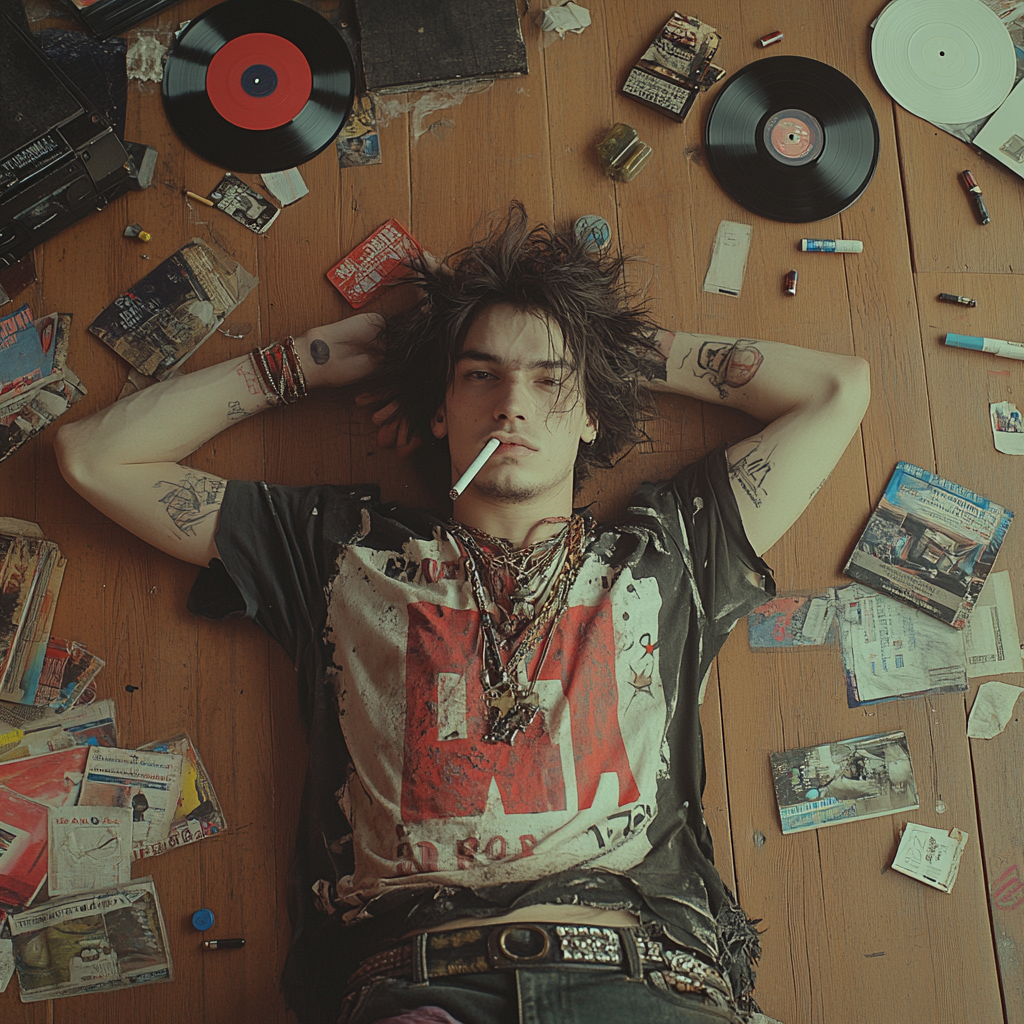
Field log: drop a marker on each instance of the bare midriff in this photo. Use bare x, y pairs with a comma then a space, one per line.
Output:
548, 913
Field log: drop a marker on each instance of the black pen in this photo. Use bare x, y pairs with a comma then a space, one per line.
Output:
975, 190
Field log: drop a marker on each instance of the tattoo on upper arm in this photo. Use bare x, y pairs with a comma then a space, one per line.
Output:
751, 469
190, 501
320, 351
728, 364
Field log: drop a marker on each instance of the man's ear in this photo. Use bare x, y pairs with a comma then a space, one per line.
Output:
438, 425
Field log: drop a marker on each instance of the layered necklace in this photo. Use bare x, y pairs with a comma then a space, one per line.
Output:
495, 568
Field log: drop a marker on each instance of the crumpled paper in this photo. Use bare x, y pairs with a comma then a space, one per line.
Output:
567, 17
992, 709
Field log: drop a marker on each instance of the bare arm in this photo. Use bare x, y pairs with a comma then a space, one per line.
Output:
812, 403
124, 459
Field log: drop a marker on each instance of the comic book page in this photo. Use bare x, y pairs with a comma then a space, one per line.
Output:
73, 945
931, 543
834, 783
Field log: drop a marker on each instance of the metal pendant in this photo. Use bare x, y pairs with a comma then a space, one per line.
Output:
507, 717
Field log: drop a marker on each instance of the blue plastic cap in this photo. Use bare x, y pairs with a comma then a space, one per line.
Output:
202, 919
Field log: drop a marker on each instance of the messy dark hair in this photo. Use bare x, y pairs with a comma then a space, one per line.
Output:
607, 330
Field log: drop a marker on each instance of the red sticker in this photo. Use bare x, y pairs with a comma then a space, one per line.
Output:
259, 81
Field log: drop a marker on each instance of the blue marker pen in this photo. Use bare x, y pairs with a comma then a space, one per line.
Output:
1006, 349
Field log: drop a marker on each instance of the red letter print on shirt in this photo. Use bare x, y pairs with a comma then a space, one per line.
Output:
445, 778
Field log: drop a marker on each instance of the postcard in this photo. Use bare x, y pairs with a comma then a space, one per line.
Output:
931, 855
243, 203
849, 780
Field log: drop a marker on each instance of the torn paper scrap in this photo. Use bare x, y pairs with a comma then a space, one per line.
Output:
992, 710
990, 636
1007, 428
285, 186
931, 855
728, 259
568, 17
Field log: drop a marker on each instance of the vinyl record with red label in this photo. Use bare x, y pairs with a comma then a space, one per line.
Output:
792, 139
258, 85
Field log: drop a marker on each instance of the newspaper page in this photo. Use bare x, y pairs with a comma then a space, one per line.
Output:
90, 848
844, 781
991, 637
892, 650
113, 938
147, 782
930, 542
198, 813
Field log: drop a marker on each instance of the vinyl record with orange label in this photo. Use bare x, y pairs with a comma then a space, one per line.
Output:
792, 139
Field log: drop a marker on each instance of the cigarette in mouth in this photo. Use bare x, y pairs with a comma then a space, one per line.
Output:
474, 467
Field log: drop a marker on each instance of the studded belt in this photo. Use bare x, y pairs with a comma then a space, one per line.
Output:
523, 946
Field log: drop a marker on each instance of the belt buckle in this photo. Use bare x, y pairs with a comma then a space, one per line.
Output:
502, 951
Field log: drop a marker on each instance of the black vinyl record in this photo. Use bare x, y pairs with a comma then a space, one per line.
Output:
792, 139
258, 85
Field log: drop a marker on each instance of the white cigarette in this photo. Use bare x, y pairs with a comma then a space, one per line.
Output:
474, 467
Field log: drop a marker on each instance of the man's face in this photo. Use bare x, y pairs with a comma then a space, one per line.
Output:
511, 382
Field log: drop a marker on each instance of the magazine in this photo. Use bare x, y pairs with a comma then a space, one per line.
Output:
147, 782
930, 543
113, 938
833, 783
51, 779
22, 848
892, 650
199, 813
30, 573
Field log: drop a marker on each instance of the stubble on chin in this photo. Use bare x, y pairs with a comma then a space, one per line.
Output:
509, 494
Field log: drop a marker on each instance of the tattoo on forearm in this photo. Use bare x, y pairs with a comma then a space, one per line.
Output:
236, 412
190, 501
728, 364
320, 351
751, 470
248, 374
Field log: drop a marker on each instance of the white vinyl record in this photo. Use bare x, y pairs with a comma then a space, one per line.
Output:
950, 61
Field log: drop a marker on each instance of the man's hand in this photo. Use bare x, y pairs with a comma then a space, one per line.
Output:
341, 353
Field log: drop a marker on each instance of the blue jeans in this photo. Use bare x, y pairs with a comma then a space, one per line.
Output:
539, 996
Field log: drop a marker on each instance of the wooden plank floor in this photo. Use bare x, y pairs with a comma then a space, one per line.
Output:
846, 941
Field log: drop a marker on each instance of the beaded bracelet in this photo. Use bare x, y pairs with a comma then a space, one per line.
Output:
279, 373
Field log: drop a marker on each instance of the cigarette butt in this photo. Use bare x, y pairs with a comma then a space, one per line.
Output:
198, 199
474, 467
